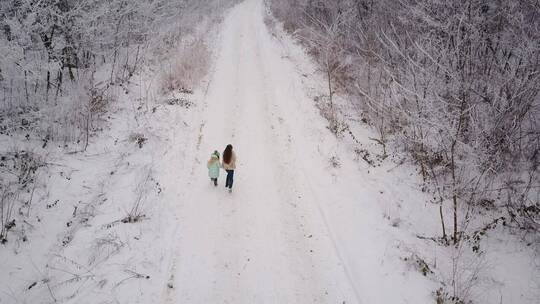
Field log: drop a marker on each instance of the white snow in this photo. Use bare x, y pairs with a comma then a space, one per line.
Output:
295, 229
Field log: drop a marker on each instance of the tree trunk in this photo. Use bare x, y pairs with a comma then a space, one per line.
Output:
88, 117
454, 198
442, 222
58, 85
48, 86
333, 124
330, 94
453, 167
26, 87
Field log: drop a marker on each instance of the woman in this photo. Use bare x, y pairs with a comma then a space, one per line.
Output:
229, 164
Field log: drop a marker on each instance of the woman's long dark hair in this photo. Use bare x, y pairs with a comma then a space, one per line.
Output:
227, 154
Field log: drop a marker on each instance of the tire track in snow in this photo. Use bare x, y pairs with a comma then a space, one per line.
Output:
290, 165
169, 294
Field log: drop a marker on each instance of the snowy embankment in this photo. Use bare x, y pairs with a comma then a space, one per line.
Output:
99, 230
134, 219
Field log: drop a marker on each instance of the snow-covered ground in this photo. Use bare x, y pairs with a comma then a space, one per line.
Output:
295, 229
307, 221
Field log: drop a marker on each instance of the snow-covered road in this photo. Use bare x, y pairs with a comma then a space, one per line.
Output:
290, 232
251, 246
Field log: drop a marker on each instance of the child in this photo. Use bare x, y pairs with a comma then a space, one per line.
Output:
213, 167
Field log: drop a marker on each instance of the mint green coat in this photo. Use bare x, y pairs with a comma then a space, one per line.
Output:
213, 167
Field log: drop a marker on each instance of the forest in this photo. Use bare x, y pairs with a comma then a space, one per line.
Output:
454, 84
451, 88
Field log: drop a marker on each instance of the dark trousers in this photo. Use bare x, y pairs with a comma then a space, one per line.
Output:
229, 180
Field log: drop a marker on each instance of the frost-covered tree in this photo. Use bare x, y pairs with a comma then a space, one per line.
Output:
55, 53
455, 83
